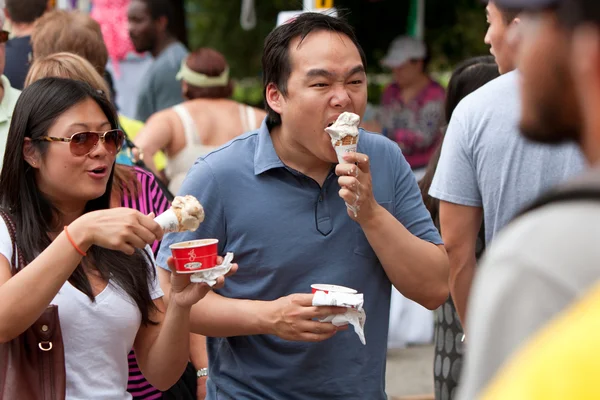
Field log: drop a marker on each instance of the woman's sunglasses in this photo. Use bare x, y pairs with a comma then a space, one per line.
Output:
83, 143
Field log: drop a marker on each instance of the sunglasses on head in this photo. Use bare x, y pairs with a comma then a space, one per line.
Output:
4, 36
83, 143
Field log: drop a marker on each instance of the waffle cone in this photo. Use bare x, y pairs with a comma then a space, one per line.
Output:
347, 140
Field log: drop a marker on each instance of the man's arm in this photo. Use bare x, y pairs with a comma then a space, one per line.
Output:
403, 241
291, 318
418, 269
460, 227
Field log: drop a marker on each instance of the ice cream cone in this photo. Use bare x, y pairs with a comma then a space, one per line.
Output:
168, 221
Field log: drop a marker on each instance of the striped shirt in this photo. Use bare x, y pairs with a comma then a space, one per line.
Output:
150, 198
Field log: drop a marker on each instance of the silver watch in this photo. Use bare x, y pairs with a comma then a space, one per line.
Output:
202, 372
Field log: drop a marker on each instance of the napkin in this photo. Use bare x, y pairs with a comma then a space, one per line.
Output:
355, 315
210, 276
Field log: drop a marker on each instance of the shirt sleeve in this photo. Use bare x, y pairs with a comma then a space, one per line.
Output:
408, 207
202, 184
510, 300
6, 245
455, 179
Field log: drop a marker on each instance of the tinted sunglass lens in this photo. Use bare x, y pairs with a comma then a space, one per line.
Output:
82, 143
114, 140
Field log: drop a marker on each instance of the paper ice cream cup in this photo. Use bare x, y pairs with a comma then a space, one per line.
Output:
194, 255
332, 288
168, 221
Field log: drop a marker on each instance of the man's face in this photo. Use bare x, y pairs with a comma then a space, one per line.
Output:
550, 110
496, 39
142, 28
327, 79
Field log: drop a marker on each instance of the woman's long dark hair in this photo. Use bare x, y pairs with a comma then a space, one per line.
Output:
468, 76
37, 109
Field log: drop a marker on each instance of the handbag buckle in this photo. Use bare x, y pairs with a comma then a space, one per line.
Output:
45, 346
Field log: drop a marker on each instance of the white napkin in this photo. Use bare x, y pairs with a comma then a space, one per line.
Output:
355, 315
210, 276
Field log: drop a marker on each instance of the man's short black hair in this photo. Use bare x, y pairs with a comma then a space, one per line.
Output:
161, 8
509, 15
576, 12
26, 11
276, 58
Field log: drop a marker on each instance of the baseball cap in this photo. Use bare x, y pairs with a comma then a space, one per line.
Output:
403, 49
526, 4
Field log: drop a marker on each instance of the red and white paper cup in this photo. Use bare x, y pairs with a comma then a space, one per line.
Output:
194, 255
331, 288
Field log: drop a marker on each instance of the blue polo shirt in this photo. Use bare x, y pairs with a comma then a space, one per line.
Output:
287, 233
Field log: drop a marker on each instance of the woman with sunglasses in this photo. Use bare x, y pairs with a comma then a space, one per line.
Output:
91, 261
133, 187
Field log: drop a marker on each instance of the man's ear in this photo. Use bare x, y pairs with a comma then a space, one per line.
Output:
30, 153
274, 97
6, 13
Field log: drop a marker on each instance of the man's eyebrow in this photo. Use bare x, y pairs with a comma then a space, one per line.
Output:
356, 70
328, 74
319, 72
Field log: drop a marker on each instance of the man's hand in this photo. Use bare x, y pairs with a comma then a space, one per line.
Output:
357, 187
292, 317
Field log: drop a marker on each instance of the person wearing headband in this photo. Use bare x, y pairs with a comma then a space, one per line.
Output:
206, 120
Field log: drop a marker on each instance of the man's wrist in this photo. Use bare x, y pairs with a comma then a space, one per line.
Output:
202, 373
373, 221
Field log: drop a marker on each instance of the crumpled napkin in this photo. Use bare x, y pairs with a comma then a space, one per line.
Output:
355, 315
210, 276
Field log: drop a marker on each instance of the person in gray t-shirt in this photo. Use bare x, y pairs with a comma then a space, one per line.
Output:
487, 171
547, 258
150, 30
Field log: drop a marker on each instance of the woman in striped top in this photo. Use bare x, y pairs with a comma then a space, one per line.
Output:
137, 188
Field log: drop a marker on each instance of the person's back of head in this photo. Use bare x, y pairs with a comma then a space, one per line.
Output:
467, 77
500, 21
205, 74
73, 32
276, 61
66, 65
25, 11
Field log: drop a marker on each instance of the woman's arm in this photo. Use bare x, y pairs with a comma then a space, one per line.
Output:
25, 296
156, 135
163, 350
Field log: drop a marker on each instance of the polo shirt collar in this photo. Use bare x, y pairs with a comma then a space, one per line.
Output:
265, 156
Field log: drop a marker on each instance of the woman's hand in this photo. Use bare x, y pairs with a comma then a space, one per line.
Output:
185, 293
120, 229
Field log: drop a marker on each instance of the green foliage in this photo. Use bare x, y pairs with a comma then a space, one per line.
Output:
454, 32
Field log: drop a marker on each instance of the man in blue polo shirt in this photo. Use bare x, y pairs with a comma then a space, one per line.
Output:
275, 197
